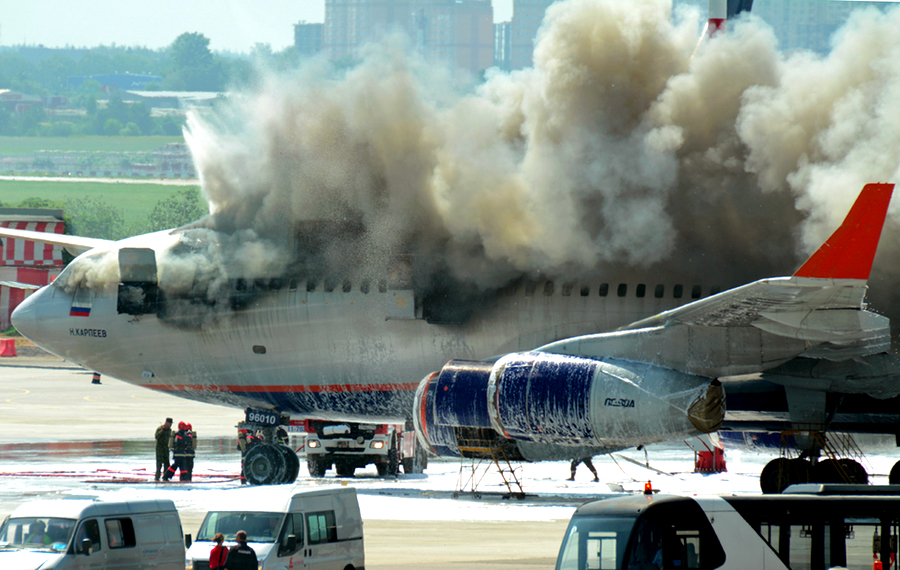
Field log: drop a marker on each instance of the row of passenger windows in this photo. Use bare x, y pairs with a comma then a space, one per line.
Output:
531, 288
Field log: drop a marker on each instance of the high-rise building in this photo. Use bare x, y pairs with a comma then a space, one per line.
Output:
526, 19
308, 38
809, 24
502, 45
457, 32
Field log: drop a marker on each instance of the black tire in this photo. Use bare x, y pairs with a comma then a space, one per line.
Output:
316, 466
291, 461
827, 471
855, 471
264, 465
894, 477
781, 472
393, 464
344, 468
416, 464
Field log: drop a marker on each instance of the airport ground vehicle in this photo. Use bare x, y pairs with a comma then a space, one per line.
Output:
318, 528
83, 533
810, 526
349, 446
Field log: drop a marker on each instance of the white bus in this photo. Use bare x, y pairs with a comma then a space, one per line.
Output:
810, 527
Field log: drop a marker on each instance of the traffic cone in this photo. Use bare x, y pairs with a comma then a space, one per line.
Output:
96, 379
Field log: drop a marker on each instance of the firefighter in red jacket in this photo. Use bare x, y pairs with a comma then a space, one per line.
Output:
177, 443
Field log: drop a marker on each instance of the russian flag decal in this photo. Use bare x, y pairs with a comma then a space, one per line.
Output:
81, 310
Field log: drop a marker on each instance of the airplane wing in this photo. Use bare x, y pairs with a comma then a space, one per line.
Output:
17, 285
818, 312
74, 244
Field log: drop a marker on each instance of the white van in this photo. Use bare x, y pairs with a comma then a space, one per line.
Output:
316, 529
89, 534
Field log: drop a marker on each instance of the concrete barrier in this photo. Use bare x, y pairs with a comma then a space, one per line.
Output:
7, 347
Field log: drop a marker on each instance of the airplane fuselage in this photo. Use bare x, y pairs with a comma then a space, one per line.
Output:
354, 352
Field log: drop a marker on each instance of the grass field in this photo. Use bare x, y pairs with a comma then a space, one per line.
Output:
27, 145
135, 200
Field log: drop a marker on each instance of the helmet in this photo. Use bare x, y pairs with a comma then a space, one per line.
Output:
189, 427
182, 425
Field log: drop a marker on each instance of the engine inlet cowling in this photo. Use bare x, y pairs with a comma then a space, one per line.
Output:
559, 403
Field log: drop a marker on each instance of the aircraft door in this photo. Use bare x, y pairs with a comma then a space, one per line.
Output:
138, 281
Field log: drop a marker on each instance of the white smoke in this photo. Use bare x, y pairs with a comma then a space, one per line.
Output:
621, 146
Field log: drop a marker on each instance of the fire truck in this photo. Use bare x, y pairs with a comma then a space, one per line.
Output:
348, 446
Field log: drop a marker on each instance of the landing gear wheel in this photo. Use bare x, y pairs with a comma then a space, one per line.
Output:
316, 466
264, 465
781, 472
894, 477
827, 471
855, 471
291, 462
344, 469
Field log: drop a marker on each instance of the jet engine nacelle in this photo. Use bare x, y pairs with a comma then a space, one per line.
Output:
542, 399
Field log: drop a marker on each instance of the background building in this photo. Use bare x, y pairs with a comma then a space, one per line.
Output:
308, 38
25, 265
457, 32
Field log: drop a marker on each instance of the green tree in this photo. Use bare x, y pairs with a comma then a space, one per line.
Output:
194, 67
131, 130
35, 202
111, 127
91, 216
183, 207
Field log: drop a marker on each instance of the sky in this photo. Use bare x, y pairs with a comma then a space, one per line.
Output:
230, 25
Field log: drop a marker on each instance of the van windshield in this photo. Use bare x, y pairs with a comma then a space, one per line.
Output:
260, 527
46, 533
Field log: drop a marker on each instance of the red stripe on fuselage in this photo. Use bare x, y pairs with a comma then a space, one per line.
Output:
336, 388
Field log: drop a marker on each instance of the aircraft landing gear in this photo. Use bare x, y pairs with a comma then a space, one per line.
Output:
779, 473
271, 464
894, 477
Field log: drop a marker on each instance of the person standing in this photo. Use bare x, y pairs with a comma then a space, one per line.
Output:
218, 554
177, 442
163, 433
190, 448
586, 461
241, 556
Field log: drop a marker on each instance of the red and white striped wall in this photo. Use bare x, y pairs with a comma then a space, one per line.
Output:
24, 252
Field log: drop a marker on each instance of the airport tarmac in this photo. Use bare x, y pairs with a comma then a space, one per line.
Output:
54, 417
61, 435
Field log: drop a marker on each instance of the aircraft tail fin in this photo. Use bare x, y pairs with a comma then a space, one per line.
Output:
849, 252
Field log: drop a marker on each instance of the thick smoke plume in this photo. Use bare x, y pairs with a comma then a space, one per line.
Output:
624, 147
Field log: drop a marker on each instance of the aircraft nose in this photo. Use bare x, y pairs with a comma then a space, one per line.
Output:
24, 317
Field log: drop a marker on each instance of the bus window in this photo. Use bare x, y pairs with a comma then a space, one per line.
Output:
595, 543
674, 534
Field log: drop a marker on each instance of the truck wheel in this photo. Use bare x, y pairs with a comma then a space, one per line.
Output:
344, 468
291, 462
264, 465
393, 466
317, 467
417, 463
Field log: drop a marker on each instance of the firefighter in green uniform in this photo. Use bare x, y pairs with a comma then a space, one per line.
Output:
163, 433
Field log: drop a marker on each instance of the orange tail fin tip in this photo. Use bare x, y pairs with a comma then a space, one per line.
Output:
849, 252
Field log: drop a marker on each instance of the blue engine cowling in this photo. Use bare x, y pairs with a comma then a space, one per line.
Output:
542, 400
